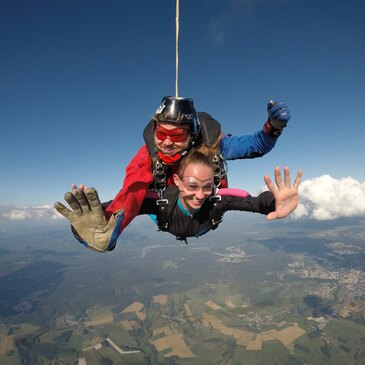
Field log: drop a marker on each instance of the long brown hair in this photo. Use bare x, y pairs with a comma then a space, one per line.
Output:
212, 150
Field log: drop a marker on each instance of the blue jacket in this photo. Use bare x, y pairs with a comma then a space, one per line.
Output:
248, 146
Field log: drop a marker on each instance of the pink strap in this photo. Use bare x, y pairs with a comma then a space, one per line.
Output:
233, 192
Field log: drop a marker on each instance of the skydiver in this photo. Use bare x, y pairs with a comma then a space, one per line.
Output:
175, 127
190, 211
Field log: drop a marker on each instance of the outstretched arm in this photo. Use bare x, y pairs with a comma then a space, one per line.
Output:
286, 195
262, 141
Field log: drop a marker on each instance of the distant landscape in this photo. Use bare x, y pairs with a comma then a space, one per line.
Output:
251, 292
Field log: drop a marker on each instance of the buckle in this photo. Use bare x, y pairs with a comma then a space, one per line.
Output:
162, 202
214, 222
215, 198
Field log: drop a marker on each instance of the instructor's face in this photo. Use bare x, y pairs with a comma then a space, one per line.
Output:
195, 186
170, 139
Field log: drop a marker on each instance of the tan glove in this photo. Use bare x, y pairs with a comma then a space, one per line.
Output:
88, 221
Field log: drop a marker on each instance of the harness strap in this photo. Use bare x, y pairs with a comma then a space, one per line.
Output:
215, 212
219, 169
162, 221
160, 183
159, 176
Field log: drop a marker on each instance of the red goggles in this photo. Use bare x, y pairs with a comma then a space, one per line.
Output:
175, 135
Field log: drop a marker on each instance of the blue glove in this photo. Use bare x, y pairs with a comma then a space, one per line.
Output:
279, 116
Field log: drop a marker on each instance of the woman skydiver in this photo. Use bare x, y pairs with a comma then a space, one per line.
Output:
190, 211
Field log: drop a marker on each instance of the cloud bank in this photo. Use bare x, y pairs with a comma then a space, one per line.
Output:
35, 212
327, 198
320, 198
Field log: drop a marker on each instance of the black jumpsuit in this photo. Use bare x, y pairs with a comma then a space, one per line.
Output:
182, 223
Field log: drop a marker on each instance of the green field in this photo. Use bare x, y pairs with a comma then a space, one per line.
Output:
49, 297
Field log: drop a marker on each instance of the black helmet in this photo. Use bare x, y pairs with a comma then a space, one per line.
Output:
178, 110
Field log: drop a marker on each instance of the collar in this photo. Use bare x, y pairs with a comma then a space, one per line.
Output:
184, 210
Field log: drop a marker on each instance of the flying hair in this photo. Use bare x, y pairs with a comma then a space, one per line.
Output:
212, 150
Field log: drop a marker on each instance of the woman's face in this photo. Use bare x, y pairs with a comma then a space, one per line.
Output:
170, 139
195, 186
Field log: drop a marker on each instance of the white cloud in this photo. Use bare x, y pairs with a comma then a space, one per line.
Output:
326, 198
321, 198
35, 212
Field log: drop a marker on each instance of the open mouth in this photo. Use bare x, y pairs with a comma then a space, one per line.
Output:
197, 201
169, 151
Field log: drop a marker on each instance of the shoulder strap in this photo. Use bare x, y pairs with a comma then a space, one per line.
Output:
148, 137
162, 214
165, 206
219, 170
215, 212
158, 168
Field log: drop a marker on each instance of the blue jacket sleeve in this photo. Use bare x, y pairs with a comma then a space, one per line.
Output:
250, 146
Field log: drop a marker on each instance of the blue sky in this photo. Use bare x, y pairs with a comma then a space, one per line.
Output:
80, 79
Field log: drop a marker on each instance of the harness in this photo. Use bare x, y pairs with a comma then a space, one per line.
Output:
214, 208
208, 134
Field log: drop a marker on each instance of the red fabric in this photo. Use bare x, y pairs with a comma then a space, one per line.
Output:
137, 180
169, 160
